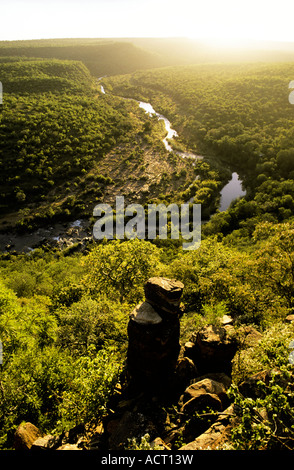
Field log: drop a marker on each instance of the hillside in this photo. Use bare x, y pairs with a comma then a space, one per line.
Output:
63, 143
238, 116
105, 58
127, 55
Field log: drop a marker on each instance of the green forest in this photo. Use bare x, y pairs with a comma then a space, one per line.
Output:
64, 147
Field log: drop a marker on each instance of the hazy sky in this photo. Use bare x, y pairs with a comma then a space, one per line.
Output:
214, 19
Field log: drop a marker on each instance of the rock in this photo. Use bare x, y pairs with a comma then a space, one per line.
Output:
47, 443
145, 314
185, 372
25, 435
217, 377
152, 352
131, 425
249, 388
153, 333
201, 402
69, 447
226, 320
159, 444
216, 436
164, 293
203, 394
214, 350
207, 385
249, 336
290, 318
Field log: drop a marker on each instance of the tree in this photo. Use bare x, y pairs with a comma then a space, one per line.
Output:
120, 268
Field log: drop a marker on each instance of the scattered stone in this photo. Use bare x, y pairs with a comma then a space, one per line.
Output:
159, 444
290, 318
214, 350
47, 443
217, 435
203, 394
249, 336
226, 320
69, 447
25, 435
249, 388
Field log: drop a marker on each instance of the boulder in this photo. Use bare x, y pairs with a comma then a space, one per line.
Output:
185, 371
217, 436
152, 352
25, 435
214, 350
164, 294
202, 394
249, 387
224, 379
47, 443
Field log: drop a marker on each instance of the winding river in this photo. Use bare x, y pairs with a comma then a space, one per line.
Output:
171, 133
69, 233
230, 191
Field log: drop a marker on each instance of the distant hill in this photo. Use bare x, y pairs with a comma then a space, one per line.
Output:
101, 59
126, 55
39, 76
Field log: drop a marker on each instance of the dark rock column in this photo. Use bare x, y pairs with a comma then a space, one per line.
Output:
154, 332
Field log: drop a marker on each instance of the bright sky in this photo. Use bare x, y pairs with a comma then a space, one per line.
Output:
212, 19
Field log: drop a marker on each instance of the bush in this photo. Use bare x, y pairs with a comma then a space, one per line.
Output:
94, 379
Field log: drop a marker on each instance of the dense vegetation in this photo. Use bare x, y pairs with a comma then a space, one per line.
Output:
104, 57
65, 146
56, 127
240, 117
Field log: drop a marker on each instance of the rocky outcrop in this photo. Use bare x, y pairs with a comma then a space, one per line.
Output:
154, 335
169, 393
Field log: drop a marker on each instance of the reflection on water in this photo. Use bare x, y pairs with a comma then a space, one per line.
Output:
148, 108
231, 191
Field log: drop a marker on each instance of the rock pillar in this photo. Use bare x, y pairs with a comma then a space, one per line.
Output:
154, 332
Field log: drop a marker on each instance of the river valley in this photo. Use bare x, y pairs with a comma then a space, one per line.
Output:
78, 231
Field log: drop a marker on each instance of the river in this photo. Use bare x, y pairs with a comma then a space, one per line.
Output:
171, 133
230, 192
67, 234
